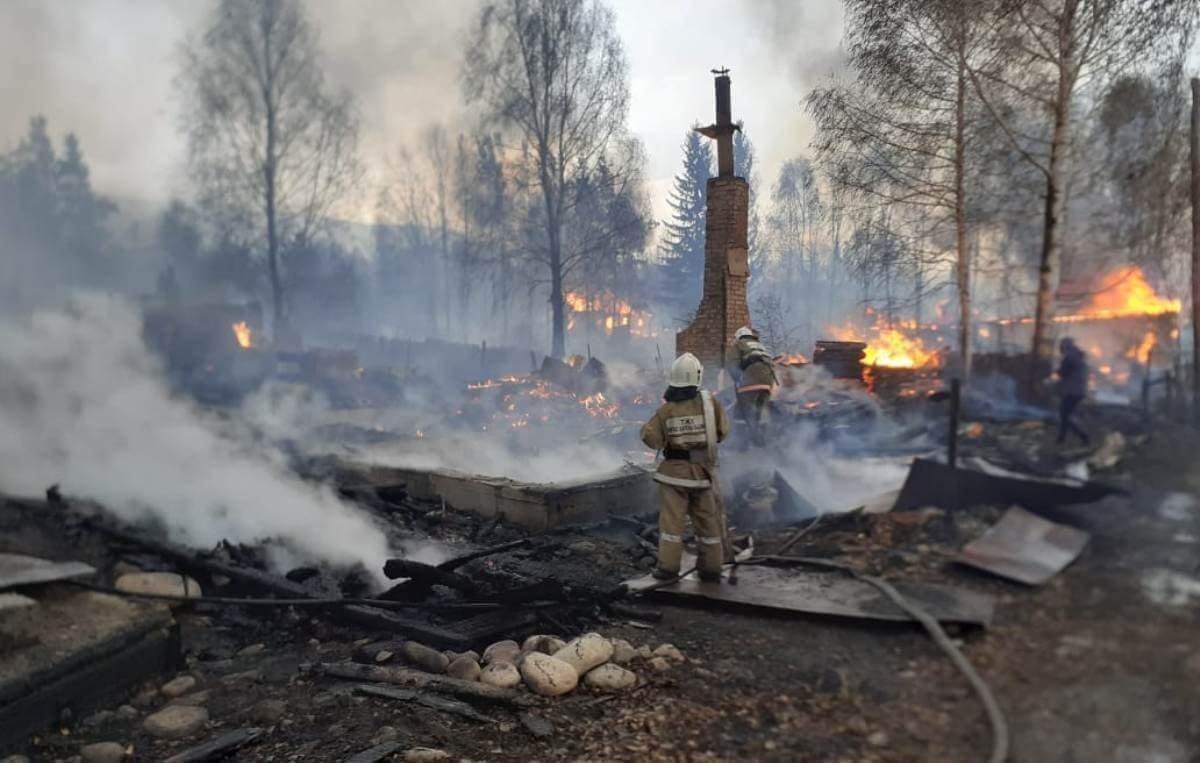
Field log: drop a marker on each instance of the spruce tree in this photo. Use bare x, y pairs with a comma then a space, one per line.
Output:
743, 167
682, 246
81, 215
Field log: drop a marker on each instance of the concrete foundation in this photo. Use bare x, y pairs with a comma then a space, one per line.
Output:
536, 506
73, 653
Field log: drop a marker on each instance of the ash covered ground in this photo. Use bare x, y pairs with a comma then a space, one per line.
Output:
1098, 663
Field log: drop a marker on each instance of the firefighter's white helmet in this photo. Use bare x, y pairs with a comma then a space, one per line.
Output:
686, 371
743, 332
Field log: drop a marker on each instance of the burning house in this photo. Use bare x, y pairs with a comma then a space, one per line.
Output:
468, 533
895, 360
607, 315
1127, 329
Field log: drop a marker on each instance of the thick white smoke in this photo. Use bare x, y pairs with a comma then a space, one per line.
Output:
812, 465
84, 404
560, 459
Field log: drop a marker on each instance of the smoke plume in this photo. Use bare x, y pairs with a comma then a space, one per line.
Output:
83, 404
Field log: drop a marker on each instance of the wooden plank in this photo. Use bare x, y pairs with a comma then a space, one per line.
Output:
489, 626
359, 614
374, 754
452, 706
458, 561
417, 679
218, 747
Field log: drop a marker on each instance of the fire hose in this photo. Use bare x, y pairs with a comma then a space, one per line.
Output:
996, 720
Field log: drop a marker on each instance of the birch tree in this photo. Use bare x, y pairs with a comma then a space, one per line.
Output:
554, 72
1044, 55
792, 225
272, 148
899, 132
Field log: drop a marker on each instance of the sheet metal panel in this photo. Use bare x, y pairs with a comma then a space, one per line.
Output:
825, 593
1024, 547
10, 601
930, 483
20, 570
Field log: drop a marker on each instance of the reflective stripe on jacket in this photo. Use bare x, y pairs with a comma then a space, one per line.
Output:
681, 426
754, 363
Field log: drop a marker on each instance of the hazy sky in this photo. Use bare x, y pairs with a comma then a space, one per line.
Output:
105, 69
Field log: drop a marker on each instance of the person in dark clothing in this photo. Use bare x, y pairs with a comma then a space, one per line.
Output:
1072, 389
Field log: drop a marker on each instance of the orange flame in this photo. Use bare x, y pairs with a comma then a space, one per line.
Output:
522, 399
890, 347
1124, 292
795, 359
1141, 353
243, 334
576, 302
600, 406
491, 383
607, 312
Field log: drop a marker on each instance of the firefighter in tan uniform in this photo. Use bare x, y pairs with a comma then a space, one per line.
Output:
687, 428
756, 379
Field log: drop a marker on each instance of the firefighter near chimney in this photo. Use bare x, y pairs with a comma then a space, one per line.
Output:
687, 428
723, 308
754, 374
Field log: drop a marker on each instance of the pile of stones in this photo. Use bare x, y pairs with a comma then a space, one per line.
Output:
548, 665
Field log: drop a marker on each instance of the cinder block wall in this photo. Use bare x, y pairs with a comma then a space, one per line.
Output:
723, 307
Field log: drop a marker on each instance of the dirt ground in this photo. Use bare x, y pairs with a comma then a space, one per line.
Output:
1099, 664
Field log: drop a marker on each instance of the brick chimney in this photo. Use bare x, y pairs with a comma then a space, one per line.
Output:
723, 307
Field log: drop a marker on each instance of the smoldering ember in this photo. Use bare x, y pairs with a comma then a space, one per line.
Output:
600, 380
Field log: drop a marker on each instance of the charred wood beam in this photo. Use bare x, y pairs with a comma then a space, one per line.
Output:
375, 754
218, 747
482, 531
635, 522
557, 625
635, 613
646, 545
370, 617
428, 575
528, 593
358, 614
486, 628
458, 561
415, 679
452, 706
